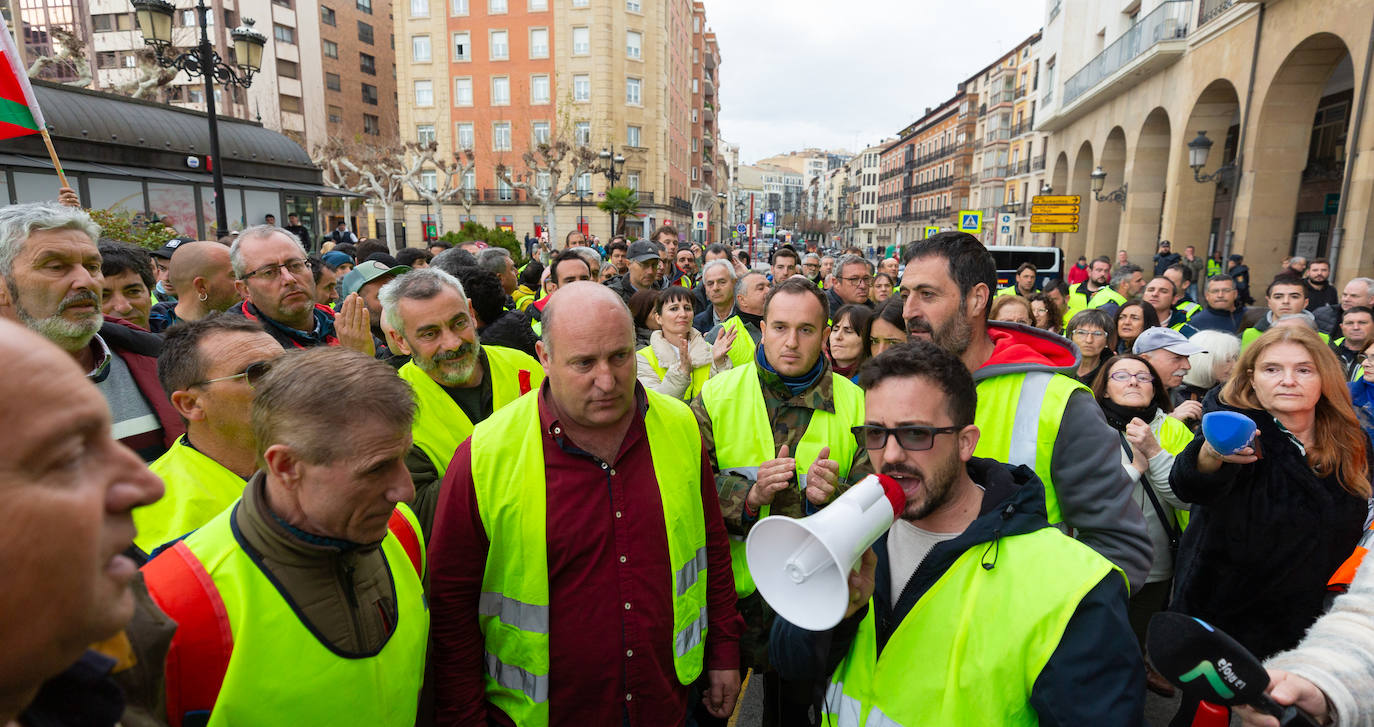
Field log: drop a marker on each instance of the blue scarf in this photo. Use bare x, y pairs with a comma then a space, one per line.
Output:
794, 384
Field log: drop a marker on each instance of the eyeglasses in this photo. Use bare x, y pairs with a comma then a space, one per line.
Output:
252, 374
1142, 377
271, 272
1088, 333
858, 281
911, 438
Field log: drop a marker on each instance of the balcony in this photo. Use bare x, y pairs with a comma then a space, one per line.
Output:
511, 196
1208, 10
681, 204
1018, 168
708, 86
1020, 92
1013, 208
997, 135
1038, 163
708, 112
1152, 44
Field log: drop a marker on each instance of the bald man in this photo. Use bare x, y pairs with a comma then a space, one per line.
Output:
201, 271
66, 484
614, 459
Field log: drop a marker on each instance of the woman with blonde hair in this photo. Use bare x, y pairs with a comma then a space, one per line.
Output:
1011, 309
1272, 521
1213, 366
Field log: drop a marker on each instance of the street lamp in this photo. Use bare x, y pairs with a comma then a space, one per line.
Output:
612, 166
1045, 188
155, 21
1099, 180
1198, 149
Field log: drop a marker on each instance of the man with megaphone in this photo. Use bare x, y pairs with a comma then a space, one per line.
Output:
971, 609
778, 435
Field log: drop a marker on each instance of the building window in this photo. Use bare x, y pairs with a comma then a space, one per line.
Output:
429, 179
364, 33
284, 34
470, 179
372, 125
419, 8
327, 15
632, 91
500, 136
539, 43
695, 86
500, 45
288, 69
539, 89
331, 81
582, 133
465, 140
500, 91
540, 131
496, 7
542, 181
632, 5
632, 180
107, 59
112, 21
331, 49
424, 93
189, 19
632, 136
462, 92
424, 134
694, 145
694, 174
462, 47
694, 116
504, 192
581, 3
582, 41
290, 104
365, 6
584, 183
459, 7
696, 24
367, 64
633, 41
369, 94
335, 114
419, 49
539, 6
582, 87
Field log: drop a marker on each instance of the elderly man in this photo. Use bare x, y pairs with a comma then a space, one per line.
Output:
718, 282
1221, 313
804, 460
644, 266
365, 282
811, 268
750, 293
317, 567
128, 281
606, 613
827, 269
1167, 350
852, 282
50, 269
1357, 325
202, 271
208, 368
457, 381
1356, 293
497, 260
1127, 282
65, 483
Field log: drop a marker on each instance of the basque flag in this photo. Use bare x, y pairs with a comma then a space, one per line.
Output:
19, 112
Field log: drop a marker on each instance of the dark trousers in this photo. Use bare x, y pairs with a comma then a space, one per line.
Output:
1144, 603
785, 703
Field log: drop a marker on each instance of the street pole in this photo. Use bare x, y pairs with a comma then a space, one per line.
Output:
207, 65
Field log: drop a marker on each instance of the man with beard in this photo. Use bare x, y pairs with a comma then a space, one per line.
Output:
1099, 274
971, 585
1320, 291
50, 267
1031, 410
458, 382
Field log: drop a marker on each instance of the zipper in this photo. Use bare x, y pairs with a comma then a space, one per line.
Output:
346, 575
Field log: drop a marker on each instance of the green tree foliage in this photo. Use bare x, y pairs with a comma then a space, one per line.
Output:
135, 229
492, 236
623, 202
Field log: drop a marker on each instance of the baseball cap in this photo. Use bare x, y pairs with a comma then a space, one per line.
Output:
366, 272
165, 252
641, 251
1168, 339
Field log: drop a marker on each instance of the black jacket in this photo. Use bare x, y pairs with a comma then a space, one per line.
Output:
512, 330
1262, 540
1164, 260
1328, 319
1091, 678
1212, 319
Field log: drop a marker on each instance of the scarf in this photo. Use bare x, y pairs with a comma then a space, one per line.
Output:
845, 371
794, 384
1119, 416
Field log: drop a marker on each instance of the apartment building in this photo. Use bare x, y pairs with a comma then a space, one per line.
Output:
926, 172
358, 49
705, 158
1009, 156
861, 219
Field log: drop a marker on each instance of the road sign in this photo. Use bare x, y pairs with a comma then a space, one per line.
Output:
699, 223
970, 221
932, 230
1054, 228
735, 233
1004, 219
768, 219
1054, 209
1054, 219
1072, 199
740, 228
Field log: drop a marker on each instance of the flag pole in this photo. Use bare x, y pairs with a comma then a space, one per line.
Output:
52, 154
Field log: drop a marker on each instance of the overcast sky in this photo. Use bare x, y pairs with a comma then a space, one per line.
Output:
847, 73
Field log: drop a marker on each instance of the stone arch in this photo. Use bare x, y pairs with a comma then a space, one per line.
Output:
1147, 176
1198, 214
1076, 244
1104, 231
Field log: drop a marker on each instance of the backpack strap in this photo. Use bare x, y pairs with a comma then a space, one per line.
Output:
400, 526
199, 654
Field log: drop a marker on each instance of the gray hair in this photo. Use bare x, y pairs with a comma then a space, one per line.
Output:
19, 221
1219, 346
493, 260
811, 256
848, 260
739, 286
1368, 284
1124, 272
729, 269
452, 259
418, 284
588, 254
256, 232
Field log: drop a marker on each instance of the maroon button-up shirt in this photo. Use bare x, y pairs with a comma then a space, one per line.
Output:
610, 583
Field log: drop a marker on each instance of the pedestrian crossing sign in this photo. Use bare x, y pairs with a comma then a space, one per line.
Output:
931, 231
970, 221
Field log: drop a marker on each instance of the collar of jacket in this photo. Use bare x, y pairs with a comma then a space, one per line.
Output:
820, 395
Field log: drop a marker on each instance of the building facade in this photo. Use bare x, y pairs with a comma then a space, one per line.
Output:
1009, 155
925, 178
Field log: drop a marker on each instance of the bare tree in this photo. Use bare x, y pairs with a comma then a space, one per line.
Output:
377, 170
542, 177
448, 176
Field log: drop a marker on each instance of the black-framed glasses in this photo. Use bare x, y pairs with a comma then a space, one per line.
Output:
252, 374
296, 267
913, 438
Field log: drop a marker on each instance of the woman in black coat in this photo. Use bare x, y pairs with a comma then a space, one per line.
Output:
1272, 522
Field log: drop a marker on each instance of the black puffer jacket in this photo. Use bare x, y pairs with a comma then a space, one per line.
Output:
512, 330
1263, 539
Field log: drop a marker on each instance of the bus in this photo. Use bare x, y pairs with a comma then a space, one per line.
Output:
1048, 262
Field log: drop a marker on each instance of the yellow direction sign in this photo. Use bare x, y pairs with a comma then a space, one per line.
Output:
1054, 209
1054, 228
931, 230
1071, 219
1072, 199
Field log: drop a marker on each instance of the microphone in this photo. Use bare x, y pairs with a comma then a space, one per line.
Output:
1209, 665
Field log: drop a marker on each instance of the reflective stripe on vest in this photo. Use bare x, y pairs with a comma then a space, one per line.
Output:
508, 474
1174, 436
1038, 399
440, 425
991, 631
744, 438
699, 374
235, 631
742, 350
198, 489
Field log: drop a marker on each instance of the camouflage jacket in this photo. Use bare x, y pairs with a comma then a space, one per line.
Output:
789, 416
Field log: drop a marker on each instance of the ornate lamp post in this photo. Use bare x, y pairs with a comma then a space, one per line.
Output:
612, 165
1099, 180
1198, 149
155, 21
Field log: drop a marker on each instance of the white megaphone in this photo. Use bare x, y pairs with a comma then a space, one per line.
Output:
801, 566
